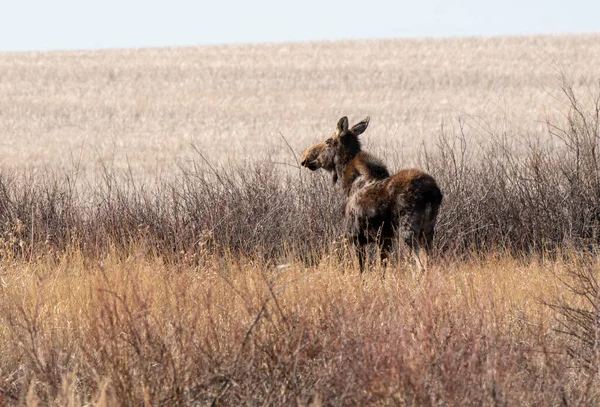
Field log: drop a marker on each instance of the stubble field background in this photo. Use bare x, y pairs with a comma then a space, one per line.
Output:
145, 108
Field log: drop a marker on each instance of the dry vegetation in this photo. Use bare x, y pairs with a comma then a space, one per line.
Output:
137, 269
144, 107
240, 332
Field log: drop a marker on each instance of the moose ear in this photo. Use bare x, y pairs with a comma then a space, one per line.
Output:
342, 125
360, 127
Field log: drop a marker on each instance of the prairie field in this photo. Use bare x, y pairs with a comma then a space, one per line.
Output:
147, 109
160, 245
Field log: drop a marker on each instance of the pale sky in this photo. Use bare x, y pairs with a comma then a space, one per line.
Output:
80, 24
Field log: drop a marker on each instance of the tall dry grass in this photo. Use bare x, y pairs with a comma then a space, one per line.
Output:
242, 332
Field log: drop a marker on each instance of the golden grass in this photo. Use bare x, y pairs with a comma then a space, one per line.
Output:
137, 329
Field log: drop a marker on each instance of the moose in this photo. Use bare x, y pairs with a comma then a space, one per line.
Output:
380, 207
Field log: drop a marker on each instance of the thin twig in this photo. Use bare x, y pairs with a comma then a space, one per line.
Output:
291, 149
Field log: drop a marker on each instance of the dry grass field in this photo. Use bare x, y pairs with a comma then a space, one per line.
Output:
145, 108
158, 247
133, 331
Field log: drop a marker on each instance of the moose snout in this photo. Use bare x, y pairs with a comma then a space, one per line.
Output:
311, 165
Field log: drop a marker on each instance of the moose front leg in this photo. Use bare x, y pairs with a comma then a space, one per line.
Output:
385, 249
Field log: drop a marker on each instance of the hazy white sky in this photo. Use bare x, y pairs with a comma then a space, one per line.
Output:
81, 24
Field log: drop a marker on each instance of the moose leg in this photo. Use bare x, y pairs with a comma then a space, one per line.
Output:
360, 243
418, 231
415, 249
427, 240
410, 230
420, 256
385, 248
362, 254
428, 231
426, 243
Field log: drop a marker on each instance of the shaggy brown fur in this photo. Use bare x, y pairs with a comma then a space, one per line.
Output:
379, 207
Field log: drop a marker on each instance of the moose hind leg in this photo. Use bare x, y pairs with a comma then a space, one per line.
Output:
417, 253
429, 228
360, 244
411, 231
428, 239
426, 242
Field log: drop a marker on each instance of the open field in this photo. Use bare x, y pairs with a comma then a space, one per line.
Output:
156, 248
144, 108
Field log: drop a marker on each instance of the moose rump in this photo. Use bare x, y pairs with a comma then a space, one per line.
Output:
403, 206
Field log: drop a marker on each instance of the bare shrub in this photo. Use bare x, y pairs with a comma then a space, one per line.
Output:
532, 196
255, 211
526, 197
578, 311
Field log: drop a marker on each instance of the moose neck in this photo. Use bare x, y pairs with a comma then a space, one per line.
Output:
346, 171
350, 178
350, 148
